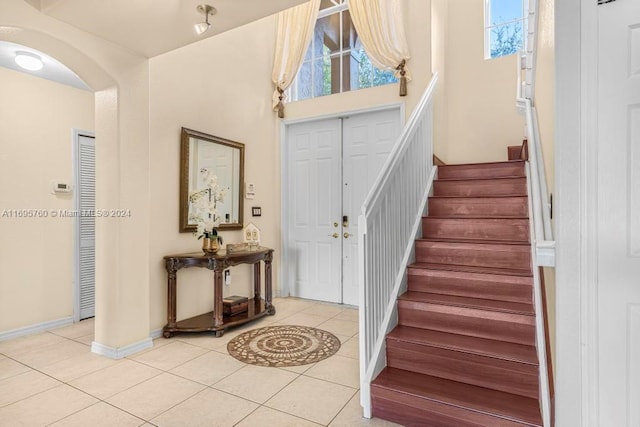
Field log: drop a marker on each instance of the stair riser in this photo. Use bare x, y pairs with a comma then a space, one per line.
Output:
496, 374
507, 327
517, 289
514, 257
413, 411
479, 207
489, 187
512, 230
480, 171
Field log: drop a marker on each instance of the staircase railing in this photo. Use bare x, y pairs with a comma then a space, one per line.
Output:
543, 233
390, 220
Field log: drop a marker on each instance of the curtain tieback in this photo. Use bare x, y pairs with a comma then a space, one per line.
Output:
280, 102
403, 77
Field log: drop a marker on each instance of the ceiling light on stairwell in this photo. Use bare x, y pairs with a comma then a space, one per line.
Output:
207, 10
29, 61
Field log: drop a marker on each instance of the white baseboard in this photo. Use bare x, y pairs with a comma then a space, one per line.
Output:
34, 329
121, 352
156, 333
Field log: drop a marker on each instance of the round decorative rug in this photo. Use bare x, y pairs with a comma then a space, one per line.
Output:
282, 346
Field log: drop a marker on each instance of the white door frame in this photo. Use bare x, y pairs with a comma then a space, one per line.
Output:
284, 200
76, 134
576, 38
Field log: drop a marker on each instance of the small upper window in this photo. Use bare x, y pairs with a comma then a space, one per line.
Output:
335, 61
504, 27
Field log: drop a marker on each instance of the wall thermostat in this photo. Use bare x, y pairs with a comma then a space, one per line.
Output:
60, 187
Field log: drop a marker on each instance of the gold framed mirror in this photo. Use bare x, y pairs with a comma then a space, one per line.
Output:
225, 159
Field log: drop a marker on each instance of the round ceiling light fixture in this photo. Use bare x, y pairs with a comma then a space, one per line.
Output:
208, 11
29, 61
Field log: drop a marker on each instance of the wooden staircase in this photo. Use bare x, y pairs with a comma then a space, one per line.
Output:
463, 353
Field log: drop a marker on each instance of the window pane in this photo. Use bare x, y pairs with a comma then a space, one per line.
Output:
335, 61
506, 39
304, 83
505, 10
349, 35
327, 35
322, 76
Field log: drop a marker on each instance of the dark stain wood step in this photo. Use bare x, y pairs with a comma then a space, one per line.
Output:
482, 170
459, 301
481, 187
482, 347
506, 256
471, 269
469, 284
479, 207
414, 399
469, 368
470, 321
503, 229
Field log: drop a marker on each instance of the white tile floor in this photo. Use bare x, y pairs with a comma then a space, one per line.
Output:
189, 380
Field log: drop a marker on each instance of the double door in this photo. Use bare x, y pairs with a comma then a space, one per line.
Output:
331, 165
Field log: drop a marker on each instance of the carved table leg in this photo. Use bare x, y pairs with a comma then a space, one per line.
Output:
217, 298
256, 281
171, 267
268, 284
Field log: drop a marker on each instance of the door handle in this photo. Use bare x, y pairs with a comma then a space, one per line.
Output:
347, 235
334, 235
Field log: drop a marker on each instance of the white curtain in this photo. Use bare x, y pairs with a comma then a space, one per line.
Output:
295, 29
380, 27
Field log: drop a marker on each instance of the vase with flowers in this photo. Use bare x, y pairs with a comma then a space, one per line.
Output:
203, 211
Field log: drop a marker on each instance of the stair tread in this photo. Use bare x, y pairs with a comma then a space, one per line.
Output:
487, 164
479, 242
471, 269
481, 218
497, 196
489, 178
467, 302
467, 344
505, 405
516, 280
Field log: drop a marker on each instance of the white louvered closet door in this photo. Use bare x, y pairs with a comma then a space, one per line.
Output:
86, 224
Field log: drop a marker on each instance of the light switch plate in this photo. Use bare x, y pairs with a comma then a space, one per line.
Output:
256, 211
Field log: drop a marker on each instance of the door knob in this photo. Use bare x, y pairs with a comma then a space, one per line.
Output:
347, 235
334, 235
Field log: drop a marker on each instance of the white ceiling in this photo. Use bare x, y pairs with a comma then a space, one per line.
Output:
153, 27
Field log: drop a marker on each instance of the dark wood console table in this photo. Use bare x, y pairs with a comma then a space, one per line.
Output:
218, 262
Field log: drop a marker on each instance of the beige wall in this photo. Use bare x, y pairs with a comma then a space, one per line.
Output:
479, 112
439, 39
222, 86
36, 254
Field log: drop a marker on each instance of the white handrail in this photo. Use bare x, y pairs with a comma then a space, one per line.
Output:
387, 228
543, 232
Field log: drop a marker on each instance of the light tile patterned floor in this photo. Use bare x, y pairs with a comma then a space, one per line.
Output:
53, 379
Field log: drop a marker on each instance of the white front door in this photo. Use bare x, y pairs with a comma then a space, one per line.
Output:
314, 247
368, 140
619, 213
331, 166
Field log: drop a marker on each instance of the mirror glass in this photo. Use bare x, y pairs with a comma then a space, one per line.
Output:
220, 157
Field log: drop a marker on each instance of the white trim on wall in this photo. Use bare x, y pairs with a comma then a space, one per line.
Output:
34, 329
576, 227
121, 352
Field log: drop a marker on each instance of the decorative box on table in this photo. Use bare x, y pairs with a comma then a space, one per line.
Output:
234, 304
